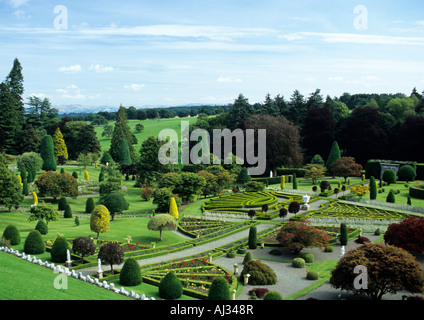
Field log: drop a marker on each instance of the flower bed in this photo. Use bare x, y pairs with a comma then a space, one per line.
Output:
196, 275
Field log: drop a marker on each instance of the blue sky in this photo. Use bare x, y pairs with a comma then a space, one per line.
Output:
163, 52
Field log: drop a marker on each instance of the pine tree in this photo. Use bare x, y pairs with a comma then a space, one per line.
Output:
239, 111
12, 108
334, 155
10, 127
47, 153
121, 132
59, 145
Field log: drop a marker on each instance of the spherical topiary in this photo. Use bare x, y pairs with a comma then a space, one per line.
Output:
75, 175
312, 275
68, 212
273, 295
42, 227
389, 176
11, 233
407, 173
58, 250
89, 205
260, 273
34, 243
170, 287
130, 274
219, 290
308, 257
298, 263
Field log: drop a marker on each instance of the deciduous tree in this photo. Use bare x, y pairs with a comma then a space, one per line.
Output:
388, 270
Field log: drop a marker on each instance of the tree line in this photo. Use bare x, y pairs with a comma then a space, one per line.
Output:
366, 126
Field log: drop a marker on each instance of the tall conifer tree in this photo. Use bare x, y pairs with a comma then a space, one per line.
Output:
122, 132
60, 148
47, 153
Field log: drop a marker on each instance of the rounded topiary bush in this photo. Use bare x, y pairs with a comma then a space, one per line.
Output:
308, 257
260, 273
298, 263
170, 287
130, 274
11, 233
407, 173
328, 249
273, 295
42, 227
231, 254
34, 243
59, 248
312, 275
389, 176
219, 290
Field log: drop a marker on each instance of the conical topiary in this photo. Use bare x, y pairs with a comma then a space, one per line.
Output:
68, 212
34, 243
173, 208
170, 287
62, 204
59, 248
42, 227
219, 290
11, 233
130, 274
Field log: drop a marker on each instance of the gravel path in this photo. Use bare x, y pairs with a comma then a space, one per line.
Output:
185, 253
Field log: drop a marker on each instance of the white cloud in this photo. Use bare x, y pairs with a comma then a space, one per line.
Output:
337, 78
99, 68
177, 30
228, 79
17, 3
135, 87
356, 38
71, 69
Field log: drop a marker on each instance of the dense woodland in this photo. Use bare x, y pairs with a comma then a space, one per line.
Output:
299, 127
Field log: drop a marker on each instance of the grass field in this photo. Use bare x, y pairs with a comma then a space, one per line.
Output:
151, 128
22, 280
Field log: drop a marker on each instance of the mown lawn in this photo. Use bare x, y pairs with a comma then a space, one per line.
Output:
22, 280
119, 229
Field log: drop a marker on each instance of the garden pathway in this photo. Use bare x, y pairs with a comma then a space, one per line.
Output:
184, 253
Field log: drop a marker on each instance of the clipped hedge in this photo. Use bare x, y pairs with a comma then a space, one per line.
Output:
417, 192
